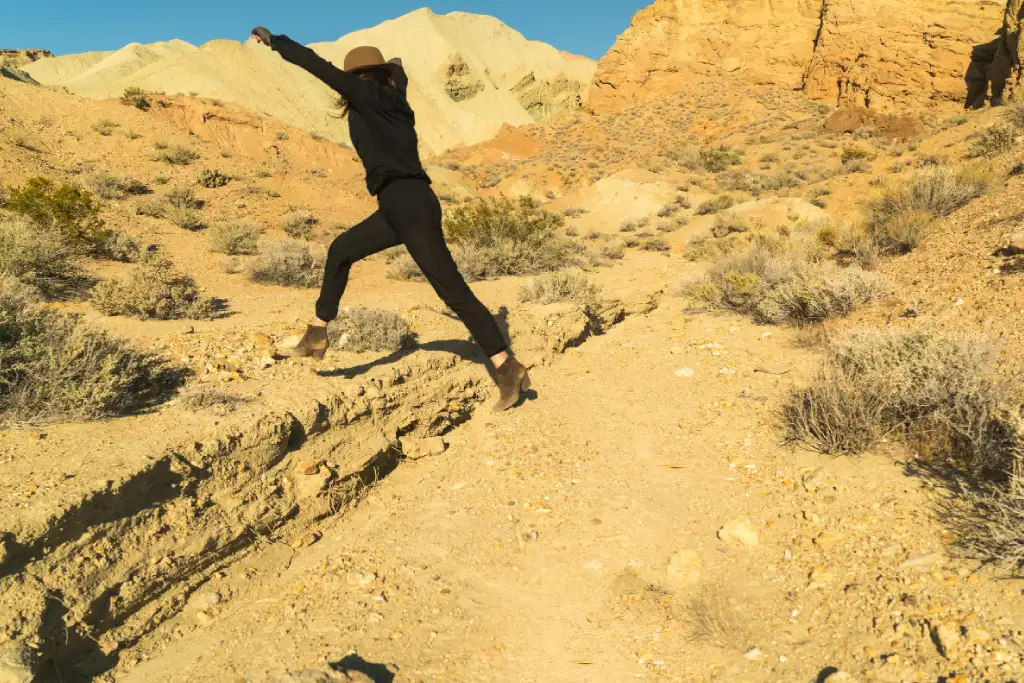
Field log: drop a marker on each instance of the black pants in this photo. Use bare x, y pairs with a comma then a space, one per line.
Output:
409, 214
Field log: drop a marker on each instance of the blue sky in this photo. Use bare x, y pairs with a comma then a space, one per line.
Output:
587, 27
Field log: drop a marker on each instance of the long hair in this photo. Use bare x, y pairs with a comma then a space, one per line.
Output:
383, 75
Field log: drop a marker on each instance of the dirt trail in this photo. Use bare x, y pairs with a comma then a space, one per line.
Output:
579, 538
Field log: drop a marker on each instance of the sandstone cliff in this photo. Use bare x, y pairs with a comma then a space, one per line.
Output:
882, 54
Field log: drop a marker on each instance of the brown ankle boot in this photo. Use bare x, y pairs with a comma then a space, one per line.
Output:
512, 379
312, 345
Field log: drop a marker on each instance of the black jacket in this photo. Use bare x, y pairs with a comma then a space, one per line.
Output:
381, 122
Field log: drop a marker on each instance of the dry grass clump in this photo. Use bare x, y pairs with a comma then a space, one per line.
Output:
152, 207
714, 617
561, 286
287, 263
728, 223
299, 225
897, 217
120, 247
786, 282
55, 368
358, 329
996, 139
155, 290
234, 238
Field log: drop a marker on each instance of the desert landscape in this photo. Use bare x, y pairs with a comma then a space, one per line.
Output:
764, 260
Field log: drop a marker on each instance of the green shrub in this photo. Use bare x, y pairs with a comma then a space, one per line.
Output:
183, 198
64, 209
155, 290
155, 208
855, 153
213, 179
135, 97
174, 155
359, 329
105, 127
120, 247
299, 225
185, 218
719, 203
234, 238
654, 244
729, 223
718, 160
288, 263
36, 257
56, 368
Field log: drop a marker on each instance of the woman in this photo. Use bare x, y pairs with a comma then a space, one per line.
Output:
382, 127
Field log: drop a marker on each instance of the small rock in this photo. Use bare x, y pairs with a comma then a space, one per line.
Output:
204, 618
188, 329
267, 362
739, 531
204, 601
311, 676
947, 638
838, 677
977, 635
594, 565
1015, 246
676, 351
820, 575
812, 481
753, 653
811, 517
307, 467
684, 372
684, 568
305, 540
16, 663
416, 449
361, 579
310, 486
920, 561
4, 551
828, 539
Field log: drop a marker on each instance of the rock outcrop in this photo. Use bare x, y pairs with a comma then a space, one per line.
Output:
15, 59
881, 54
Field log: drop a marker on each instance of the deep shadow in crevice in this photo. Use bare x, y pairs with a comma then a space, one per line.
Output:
379, 673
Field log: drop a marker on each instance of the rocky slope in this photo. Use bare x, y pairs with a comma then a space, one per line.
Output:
470, 75
877, 53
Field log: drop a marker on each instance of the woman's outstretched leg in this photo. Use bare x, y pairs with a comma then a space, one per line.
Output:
365, 239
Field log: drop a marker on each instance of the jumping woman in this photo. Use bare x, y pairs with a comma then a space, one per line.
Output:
382, 126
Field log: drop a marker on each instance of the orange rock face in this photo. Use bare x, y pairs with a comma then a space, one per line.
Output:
882, 54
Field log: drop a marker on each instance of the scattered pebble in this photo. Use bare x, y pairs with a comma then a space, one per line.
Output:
594, 565
684, 568
684, 372
739, 531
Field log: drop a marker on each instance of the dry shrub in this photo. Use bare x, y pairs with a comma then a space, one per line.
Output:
120, 247
786, 282
287, 263
55, 368
709, 249
1014, 113
719, 203
933, 389
174, 155
714, 617
36, 257
728, 223
562, 286
299, 225
358, 329
211, 179
988, 519
155, 290
896, 218
654, 244
234, 238
152, 207
205, 398
135, 97
994, 141
109, 186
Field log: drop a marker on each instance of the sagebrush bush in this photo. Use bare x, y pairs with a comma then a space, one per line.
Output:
496, 237
299, 225
234, 238
56, 368
105, 127
1014, 113
560, 286
718, 160
109, 186
66, 210
152, 207
174, 155
654, 244
358, 329
936, 391
897, 217
155, 290
719, 203
994, 141
120, 247
211, 179
288, 263
183, 198
185, 218
36, 257
786, 283
728, 223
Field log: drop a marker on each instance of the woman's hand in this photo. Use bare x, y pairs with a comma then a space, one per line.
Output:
261, 35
